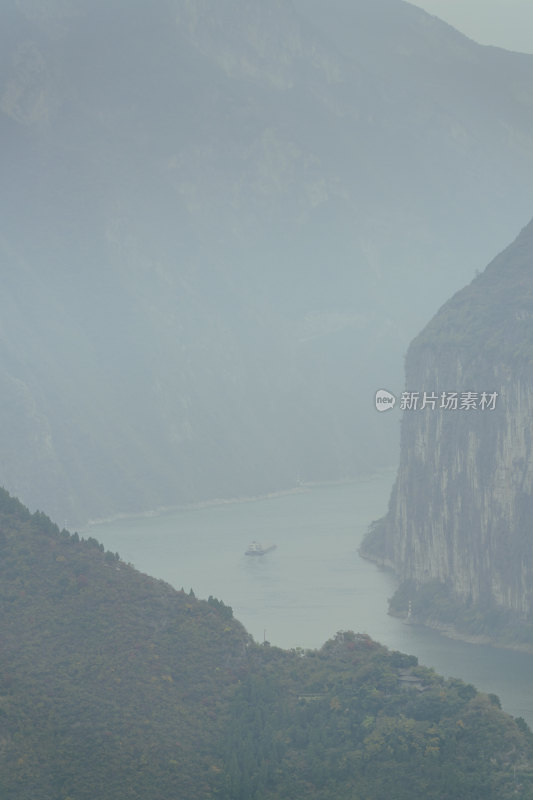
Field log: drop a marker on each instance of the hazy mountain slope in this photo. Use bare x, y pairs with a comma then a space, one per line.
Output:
458, 526
113, 685
214, 220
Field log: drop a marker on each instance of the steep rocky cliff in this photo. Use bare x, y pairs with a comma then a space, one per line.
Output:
460, 518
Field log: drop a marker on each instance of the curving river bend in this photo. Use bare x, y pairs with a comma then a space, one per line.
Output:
313, 584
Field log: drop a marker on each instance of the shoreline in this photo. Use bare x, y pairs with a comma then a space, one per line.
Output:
451, 632
161, 511
447, 629
222, 501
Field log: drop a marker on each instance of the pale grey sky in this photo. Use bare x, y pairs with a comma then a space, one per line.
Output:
504, 23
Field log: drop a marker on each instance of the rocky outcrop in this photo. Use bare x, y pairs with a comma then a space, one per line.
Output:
461, 511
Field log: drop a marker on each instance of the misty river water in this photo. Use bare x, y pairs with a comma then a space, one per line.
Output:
313, 584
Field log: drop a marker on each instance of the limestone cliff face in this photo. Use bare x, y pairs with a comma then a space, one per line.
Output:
461, 511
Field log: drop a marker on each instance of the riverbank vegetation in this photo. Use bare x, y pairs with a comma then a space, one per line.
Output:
434, 604
114, 685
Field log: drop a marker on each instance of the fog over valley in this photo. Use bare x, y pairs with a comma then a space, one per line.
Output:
266, 360
222, 225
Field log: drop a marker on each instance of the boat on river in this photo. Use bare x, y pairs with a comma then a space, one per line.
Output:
257, 549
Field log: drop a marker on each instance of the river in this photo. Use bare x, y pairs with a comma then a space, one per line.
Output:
313, 584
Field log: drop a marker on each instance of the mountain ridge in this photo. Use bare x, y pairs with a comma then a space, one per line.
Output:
212, 233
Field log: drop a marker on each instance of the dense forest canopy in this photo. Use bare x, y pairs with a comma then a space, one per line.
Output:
115, 685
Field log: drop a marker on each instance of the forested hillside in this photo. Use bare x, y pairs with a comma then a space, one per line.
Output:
114, 685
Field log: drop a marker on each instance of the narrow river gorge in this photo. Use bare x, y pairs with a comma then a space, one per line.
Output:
313, 583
